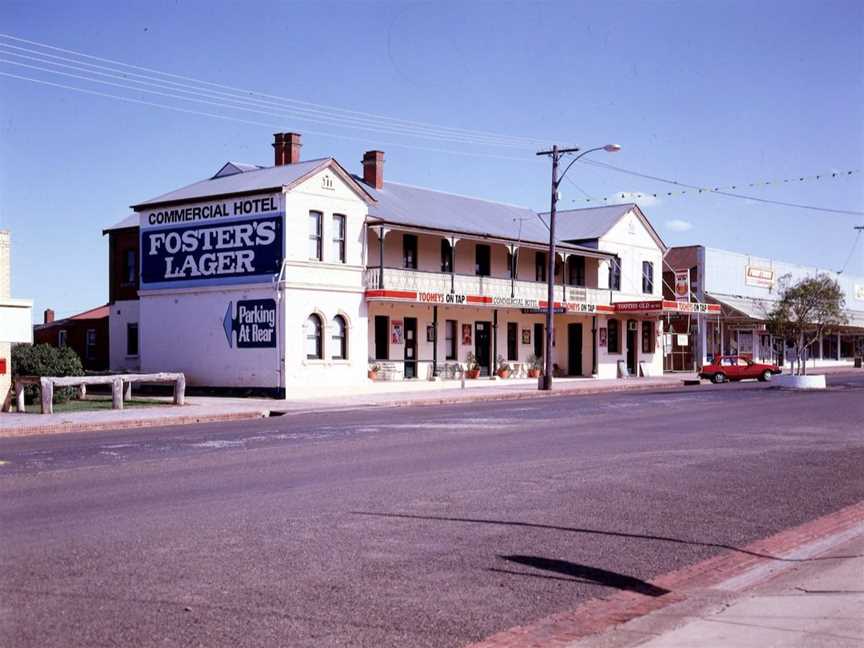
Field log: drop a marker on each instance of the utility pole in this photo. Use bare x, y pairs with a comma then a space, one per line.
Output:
556, 153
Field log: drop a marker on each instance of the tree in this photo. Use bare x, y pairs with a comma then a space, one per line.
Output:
46, 360
805, 312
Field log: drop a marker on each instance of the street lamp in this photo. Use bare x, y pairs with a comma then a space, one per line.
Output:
556, 153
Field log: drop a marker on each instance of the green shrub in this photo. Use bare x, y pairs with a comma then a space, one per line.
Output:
46, 360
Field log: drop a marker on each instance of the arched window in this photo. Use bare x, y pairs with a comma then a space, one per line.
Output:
339, 338
314, 349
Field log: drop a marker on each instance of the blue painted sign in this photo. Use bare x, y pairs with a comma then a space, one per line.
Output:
254, 324
230, 252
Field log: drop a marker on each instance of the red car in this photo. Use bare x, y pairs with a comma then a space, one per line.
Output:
733, 367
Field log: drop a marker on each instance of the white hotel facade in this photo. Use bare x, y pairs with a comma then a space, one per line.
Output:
271, 278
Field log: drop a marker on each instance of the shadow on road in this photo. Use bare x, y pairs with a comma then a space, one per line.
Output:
615, 534
582, 574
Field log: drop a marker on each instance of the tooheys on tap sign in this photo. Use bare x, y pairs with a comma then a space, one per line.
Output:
225, 241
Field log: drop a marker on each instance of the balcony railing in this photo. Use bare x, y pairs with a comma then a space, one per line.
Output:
441, 282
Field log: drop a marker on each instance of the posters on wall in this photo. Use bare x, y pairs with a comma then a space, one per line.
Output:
397, 332
466, 334
526, 336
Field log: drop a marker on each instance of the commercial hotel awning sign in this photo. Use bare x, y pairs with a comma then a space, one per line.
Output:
222, 242
526, 305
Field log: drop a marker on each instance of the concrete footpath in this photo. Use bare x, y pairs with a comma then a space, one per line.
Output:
815, 603
202, 409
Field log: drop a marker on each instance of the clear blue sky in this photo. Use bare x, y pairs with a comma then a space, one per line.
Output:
713, 93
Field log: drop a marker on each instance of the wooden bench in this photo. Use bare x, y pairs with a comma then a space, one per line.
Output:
121, 386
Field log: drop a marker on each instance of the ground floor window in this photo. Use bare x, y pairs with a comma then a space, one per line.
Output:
450, 327
132, 339
90, 345
313, 338
512, 341
829, 347
382, 337
339, 338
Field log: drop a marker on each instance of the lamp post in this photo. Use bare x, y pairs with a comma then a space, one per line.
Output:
556, 153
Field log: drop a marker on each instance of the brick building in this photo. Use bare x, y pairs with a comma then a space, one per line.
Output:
86, 333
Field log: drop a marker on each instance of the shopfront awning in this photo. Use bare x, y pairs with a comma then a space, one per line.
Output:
663, 306
748, 307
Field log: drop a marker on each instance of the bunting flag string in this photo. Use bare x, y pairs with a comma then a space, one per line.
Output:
692, 190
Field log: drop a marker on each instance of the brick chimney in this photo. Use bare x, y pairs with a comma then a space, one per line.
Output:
373, 168
48, 316
286, 147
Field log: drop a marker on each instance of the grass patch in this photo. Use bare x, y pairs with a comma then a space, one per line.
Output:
97, 402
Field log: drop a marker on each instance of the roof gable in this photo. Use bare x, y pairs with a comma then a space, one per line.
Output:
593, 223
262, 179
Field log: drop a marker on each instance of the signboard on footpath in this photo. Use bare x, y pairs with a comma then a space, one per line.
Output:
253, 325
221, 242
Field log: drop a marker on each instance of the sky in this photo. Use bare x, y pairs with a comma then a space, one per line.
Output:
705, 93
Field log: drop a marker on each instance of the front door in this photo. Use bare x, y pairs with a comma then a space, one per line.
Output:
632, 339
482, 338
410, 347
574, 349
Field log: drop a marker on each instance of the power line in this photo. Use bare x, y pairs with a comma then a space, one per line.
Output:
852, 251
274, 124
724, 193
335, 111
234, 98
223, 103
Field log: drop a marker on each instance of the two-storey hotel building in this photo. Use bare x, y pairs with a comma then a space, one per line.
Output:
270, 278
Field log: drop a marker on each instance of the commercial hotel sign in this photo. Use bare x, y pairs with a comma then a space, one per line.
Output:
236, 240
457, 299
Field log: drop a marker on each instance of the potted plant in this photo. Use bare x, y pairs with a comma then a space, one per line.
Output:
504, 369
374, 368
535, 364
472, 369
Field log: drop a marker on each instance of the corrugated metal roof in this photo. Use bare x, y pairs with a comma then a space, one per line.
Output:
253, 180
415, 206
589, 223
130, 221
750, 307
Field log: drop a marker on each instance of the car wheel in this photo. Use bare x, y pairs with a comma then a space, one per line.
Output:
766, 376
718, 378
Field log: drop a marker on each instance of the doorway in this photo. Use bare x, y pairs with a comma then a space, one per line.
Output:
410, 347
632, 351
482, 338
574, 349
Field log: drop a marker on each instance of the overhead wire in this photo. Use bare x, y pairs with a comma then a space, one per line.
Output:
232, 104
721, 192
309, 107
258, 123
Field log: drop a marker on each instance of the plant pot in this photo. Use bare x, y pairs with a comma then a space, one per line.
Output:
533, 373
373, 375
472, 374
503, 373
788, 381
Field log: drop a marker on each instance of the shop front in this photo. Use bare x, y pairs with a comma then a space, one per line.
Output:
427, 336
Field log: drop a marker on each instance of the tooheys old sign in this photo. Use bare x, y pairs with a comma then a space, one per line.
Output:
235, 240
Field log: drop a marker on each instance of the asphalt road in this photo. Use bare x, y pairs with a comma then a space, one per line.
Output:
427, 526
